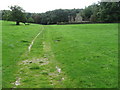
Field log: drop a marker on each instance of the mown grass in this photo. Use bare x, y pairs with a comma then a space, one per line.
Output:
15, 42
88, 53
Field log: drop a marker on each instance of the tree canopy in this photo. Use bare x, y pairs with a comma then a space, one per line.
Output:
100, 12
17, 14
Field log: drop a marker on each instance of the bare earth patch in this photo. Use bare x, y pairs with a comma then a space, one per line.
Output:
41, 61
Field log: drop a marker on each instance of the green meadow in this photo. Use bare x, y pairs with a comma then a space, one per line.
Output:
15, 41
86, 54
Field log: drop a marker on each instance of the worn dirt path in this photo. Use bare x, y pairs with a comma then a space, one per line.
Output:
44, 72
30, 46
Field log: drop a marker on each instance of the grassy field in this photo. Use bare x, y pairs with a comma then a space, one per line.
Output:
85, 53
16, 40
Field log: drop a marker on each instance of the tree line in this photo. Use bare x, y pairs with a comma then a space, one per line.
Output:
100, 12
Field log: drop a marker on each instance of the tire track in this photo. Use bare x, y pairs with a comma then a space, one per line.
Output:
44, 67
18, 80
30, 46
56, 75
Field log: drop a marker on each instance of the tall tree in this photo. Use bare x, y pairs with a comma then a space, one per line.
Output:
109, 11
18, 14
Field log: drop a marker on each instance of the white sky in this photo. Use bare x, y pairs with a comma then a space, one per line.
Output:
39, 6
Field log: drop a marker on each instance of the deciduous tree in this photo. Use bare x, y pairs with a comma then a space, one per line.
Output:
18, 14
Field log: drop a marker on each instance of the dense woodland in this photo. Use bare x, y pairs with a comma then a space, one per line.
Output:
100, 12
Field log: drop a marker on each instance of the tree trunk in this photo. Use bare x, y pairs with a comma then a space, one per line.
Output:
17, 23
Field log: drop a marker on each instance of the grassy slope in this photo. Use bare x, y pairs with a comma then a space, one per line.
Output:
87, 53
16, 40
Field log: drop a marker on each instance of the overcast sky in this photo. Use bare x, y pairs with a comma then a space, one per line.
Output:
39, 6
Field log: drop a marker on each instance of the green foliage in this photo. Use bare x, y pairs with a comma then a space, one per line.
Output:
56, 16
100, 12
30, 20
109, 11
18, 14
86, 13
6, 15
